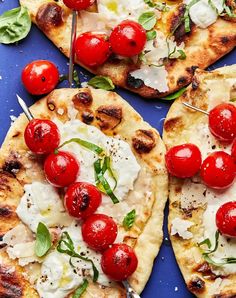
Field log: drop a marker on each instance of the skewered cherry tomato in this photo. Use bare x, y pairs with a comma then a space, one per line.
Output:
119, 261
183, 160
128, 39
92, 49
78, 4
61, 169
82, 199
226, 219
218, 170
233, 151
222, 122
99, 231
40, 77
42, 136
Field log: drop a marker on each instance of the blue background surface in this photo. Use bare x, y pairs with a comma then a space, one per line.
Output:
166, 280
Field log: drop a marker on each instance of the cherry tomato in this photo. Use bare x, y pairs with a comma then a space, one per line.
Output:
128, 39
92, 49
222, 122
226, 219
42, 136
119, 261
218, 170
99, 231
40, 77
61, 169
78, 4
82, 199
184, 160
233, 151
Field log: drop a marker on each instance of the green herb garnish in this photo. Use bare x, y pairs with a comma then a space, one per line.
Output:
148, 20
43, 240
129, 219
101, 82
187, 17
101, 180
76, 79
66, 246
151, 35
90, 146
15, 25
182, 55
175, 94
81, 289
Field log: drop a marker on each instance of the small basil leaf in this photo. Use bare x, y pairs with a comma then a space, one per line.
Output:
148, 20
76, 79
80, 290
182, 55
150, 3
43, 240
151, 35
175, 94
15, 25
206, 242
101, 82
129, 219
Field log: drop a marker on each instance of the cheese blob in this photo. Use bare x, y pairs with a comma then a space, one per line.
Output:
202, 14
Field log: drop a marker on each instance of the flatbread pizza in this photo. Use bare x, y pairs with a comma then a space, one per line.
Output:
29, 203
204, 252
181, 36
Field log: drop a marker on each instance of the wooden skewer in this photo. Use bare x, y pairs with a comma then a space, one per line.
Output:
24, 108
195, 108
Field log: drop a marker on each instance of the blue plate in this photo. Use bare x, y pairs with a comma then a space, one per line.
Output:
166, 280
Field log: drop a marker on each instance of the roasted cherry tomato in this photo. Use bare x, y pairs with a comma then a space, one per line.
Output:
119, 261
92, 49
82, 199
183, 161
128, 39
78, 4
40, 77
233, 151
226, 219
222, 122
61, 169
99, 231
218, 170
42, 136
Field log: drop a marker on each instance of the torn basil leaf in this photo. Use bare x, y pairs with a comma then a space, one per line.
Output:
90, 146
175, 94
15, 25
129, 219
148, 20
43, 240
182, 55
101, 82
151, 35
81, 289
65, 77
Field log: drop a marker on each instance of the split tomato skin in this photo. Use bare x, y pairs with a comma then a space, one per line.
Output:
78, 4
183, 161
61, 169
82, 199
42, 136
128, 39
99, 231
226, 219
119, 261
218, 170
40, 77
222, 122
91, 49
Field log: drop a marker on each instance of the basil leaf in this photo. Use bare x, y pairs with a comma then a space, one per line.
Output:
15, 25
76, 79
233, 99
92, 147
100, 179
129, 219
151, 35
211, 261
66, 245
79, 291
149, 3
147, 20
217, 234
162, 7
175, 94
207, 242
101, 82
230, 260
182, 55
43, 240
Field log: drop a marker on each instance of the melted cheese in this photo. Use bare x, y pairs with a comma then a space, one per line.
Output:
202, 14
41, 203
180, 226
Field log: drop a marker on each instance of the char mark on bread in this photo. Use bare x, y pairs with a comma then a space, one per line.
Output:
9, 283
49, 16
109, 116
144, 141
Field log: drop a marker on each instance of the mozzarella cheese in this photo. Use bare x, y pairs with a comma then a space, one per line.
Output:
153, 76
58, 278
180, 226
123, 161
41, 203
202, 14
